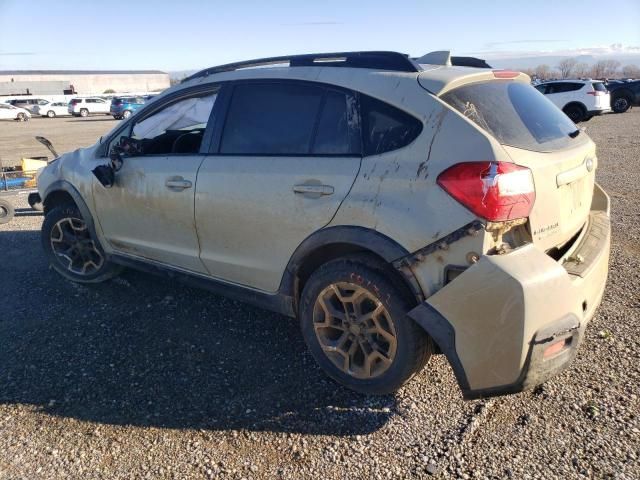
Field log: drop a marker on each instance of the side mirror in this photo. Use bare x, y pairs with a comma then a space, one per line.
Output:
106, 174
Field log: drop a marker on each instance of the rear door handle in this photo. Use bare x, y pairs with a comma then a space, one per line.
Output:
177, 183
313, 190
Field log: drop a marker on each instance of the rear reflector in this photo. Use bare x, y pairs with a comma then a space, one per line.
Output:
495, 191
505, 74
596, 93
556, 348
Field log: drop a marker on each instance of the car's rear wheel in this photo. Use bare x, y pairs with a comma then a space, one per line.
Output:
6, 211
126, 114
51, 114
84, 112
72, 251
354, 321
621, 104
575, 112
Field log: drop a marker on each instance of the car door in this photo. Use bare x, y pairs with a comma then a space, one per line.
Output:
6, 112
286, 158
149, 212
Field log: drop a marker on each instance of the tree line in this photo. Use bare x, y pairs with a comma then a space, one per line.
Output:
572, 68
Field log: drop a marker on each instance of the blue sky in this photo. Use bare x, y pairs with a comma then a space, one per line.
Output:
188, 34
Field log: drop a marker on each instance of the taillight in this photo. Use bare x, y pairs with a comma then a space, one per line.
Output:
596, 93
505, 74
495, 191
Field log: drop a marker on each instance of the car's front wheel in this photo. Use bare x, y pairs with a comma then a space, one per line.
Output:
71, 250
353, 319
21, 117
126, 114
51, 114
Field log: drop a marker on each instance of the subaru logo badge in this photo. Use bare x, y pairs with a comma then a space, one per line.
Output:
589, 164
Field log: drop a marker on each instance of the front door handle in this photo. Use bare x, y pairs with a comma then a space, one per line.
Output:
313, 190
177, 183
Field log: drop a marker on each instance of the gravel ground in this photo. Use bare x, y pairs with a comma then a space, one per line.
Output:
143, 378
66, 133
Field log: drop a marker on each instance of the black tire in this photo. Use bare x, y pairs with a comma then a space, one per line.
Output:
51, 114
621, 104
126, 114
413, 348
62, 265
20, 117
84, 112
587, 118
575, 112
7, 211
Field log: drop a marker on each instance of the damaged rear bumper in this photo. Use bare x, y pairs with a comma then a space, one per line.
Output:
511, 321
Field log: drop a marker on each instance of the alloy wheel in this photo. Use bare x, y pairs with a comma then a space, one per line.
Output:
354, 330
71, 242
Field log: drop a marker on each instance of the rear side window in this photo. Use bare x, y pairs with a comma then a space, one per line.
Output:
599, 87
515, 114
386, 128
290, 119
271, 119
337, 131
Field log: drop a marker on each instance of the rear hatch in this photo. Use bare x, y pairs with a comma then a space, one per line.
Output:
538, 135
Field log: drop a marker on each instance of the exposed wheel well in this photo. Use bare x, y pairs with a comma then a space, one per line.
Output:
575, 104
59, 197
326, 253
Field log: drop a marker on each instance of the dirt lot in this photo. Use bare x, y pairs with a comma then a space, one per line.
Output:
66, 133
143, 378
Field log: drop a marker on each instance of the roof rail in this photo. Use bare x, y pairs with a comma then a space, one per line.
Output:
377, 60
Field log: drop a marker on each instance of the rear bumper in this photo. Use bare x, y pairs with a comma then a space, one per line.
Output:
599, 111
510, 322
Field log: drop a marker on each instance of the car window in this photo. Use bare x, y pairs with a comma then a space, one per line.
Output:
42, 102
386, 128
599, 87
338, 131
271, 119
541, 88
177, 128
515, 114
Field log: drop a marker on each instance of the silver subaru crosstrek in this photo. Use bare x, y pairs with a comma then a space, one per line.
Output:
397, 207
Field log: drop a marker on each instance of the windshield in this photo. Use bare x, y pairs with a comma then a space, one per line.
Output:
515, 113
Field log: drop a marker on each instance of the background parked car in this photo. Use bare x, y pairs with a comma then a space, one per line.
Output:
123, 107
29, 103
9, 112
83, 107
51, 110
624, 95
578, 99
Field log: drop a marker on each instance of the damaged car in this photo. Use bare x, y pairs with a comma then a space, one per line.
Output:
397, 207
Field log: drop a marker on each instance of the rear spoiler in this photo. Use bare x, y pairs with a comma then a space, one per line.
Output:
443, 57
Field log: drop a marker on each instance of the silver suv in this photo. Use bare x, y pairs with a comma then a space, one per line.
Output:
397, 207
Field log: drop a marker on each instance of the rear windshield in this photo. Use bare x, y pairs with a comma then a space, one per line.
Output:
599, 87
515, 113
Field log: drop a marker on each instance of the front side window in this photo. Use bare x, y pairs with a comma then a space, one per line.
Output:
178, 128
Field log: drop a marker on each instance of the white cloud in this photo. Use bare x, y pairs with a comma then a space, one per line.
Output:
616, 49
